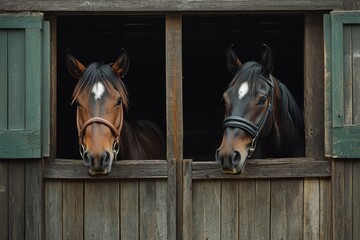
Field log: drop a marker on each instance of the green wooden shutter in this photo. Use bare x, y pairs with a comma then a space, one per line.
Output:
342, 84
23, 39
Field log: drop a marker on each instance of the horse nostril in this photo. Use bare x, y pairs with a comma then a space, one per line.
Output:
105, 158
87, 159
236, 157
217, 156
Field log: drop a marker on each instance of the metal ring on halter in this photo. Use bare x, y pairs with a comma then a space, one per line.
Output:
116, 148
82, 150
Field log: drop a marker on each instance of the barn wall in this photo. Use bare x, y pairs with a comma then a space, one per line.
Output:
21, 199
106, 209
261, 209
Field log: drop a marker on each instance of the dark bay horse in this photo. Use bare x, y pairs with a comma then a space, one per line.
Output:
104, 135
262, 119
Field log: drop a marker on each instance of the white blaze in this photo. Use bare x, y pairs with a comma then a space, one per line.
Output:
98, 90
243, 90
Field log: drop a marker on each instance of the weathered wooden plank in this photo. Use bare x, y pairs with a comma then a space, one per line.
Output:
212, 205
171, 199
161, 209
247, 209
16, 199
147, 200
229, 221
311, 209
33, 46
356, 197
101, 210
267, 168
348, 199
34, 208
262, 209
325, 210
347, 77
187, 201
198, 213
19, 143
129, 213
174, 114
45, 91
3, 79
4, 200
286, 209
75, 169
356, 73
159, 5
22, 20
314, 85
73, 209
53, 210
16, 79
206, 210
338, 201
328, 86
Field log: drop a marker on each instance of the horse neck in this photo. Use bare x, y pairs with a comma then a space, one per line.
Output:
133, 142
284, 140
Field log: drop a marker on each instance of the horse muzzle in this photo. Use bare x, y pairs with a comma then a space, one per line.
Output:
98, 164
231, 162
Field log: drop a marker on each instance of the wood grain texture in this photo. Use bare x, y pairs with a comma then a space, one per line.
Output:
4, 199
160, 5
75, 169
53, 210
174, 106
229, 221
17, 201
129, 210
267, 168
287, 209
314, 85
73, 209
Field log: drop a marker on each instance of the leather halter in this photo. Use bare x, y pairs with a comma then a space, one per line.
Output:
248, 126
114, 130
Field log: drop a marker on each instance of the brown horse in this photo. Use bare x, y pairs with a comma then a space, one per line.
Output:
104, 135
262, 119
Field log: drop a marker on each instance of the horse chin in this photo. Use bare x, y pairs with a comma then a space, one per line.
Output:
99, 172
236, 169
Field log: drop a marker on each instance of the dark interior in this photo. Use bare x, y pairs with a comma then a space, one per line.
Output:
205, 75
100, 38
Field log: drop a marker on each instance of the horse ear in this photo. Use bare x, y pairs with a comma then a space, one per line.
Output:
267, 61
233, 63
121, 65
76, 69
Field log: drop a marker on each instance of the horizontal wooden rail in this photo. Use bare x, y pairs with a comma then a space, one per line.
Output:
266, 168
255, 168
75, 169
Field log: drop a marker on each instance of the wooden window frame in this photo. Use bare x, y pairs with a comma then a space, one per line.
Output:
314, 164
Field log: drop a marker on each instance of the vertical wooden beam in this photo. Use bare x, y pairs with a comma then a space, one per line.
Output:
174, 114
314, 85
314, 124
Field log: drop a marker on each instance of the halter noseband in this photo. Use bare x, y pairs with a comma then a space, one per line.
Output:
114, 130
246, 125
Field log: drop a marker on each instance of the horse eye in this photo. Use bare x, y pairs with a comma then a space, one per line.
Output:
118, 102
262, 101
